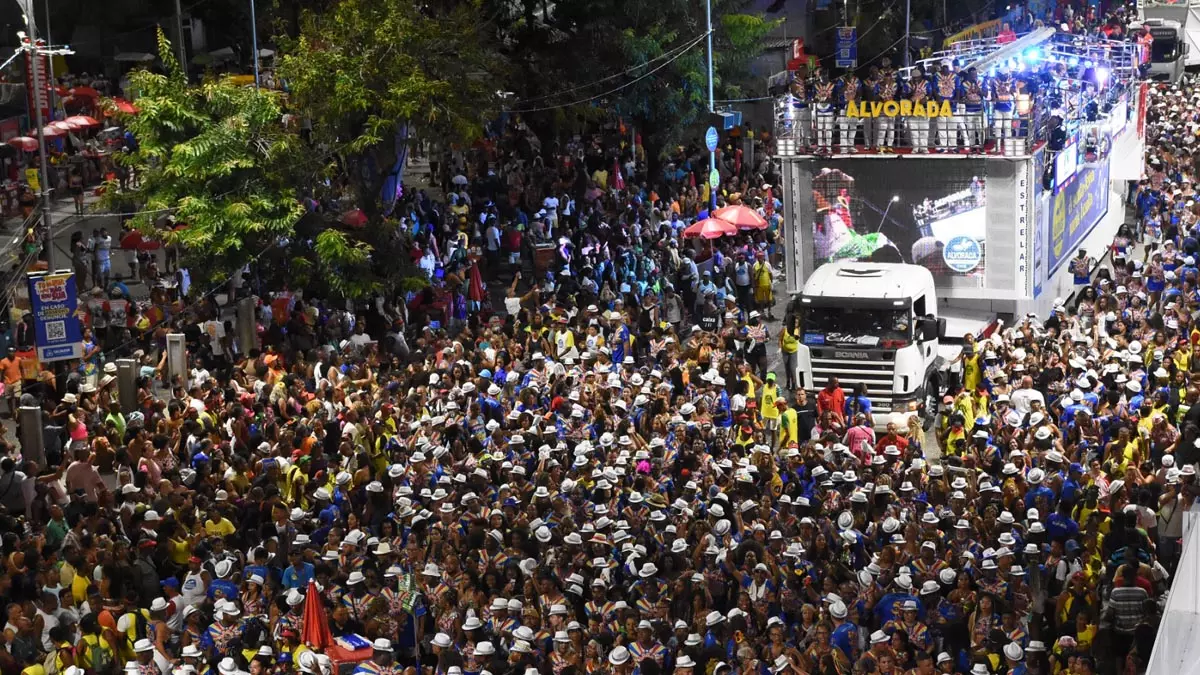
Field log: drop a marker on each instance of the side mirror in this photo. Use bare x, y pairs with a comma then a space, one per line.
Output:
941, 329
929, 329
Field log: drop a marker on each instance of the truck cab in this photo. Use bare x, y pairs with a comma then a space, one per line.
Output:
875, 324
1169, 49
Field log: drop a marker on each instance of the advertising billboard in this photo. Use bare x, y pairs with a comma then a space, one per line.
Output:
931, 213
1073, 210
53, 302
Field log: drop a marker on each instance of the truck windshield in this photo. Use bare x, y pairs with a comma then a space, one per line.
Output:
1164, 49
856, 325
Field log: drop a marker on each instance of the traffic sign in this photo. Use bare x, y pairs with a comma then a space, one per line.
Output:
711, 138
713, 178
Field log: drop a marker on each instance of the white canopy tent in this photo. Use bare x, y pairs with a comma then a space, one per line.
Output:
1177, 645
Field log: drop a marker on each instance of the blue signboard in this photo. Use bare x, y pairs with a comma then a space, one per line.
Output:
711, 138
1074, 210
846, 51
53, 300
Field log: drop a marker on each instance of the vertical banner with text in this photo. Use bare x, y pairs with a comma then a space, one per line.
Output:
54, 301
38, 92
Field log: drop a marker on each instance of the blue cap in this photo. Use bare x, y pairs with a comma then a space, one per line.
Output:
1076, 466
170, 582
485, 373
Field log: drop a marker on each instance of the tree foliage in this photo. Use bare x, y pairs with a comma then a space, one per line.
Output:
663, 85
207, 156
361, 68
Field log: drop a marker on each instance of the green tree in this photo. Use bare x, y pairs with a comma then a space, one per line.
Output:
361, 70
208, 158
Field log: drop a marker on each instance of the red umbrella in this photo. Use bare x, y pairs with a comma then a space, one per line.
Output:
134, 241
354, 218
316, 632
744, 217
85, 91
475, 291
709, 228
123, 106
63, 125
51, 130
24, 143
83, 121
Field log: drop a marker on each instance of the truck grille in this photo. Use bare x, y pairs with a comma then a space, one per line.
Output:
876, 371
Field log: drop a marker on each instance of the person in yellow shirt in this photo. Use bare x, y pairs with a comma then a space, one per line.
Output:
218, 525
789, 424
770, 413
789, 344
972, 367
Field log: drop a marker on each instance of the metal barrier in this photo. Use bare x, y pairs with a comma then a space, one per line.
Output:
940, 129
1110, 66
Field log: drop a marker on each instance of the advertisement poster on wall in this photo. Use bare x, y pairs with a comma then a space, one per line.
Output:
932, 214
1073, 211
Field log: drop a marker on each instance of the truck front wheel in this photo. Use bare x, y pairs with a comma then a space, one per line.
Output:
931, 400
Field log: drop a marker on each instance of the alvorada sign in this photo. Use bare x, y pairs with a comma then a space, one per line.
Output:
903, 108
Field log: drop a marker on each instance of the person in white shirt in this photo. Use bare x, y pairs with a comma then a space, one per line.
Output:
1023, 398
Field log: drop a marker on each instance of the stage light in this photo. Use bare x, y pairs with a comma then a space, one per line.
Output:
1102, 76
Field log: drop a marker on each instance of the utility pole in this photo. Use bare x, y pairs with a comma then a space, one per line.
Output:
39, 83
254, 39
907, 34
183, 63
712, 156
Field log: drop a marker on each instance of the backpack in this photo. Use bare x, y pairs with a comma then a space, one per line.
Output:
50, 665
100, 658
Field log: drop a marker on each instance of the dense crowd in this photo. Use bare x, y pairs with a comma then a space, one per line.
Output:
606, 475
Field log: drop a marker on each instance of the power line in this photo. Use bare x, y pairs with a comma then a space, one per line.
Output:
691, 44
628, 71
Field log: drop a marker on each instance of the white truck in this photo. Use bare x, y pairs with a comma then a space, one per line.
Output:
1170, 49
1186, 12
876, 324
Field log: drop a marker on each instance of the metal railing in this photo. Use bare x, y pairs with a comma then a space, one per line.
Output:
807, 130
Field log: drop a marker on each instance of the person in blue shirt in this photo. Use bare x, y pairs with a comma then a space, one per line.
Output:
1035, 479
845, 635
1070, 487
1060, 525
299, 572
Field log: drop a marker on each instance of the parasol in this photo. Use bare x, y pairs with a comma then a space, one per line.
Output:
354, 218
134, 241
618, 181
24, 143
315, 632
53, 131
63, 125
709, 228
84, 91
82, 121
741, 216
475, 290
123, 106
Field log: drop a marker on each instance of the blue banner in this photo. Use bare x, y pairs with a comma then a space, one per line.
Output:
54, 302
847, 47
1074, 210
